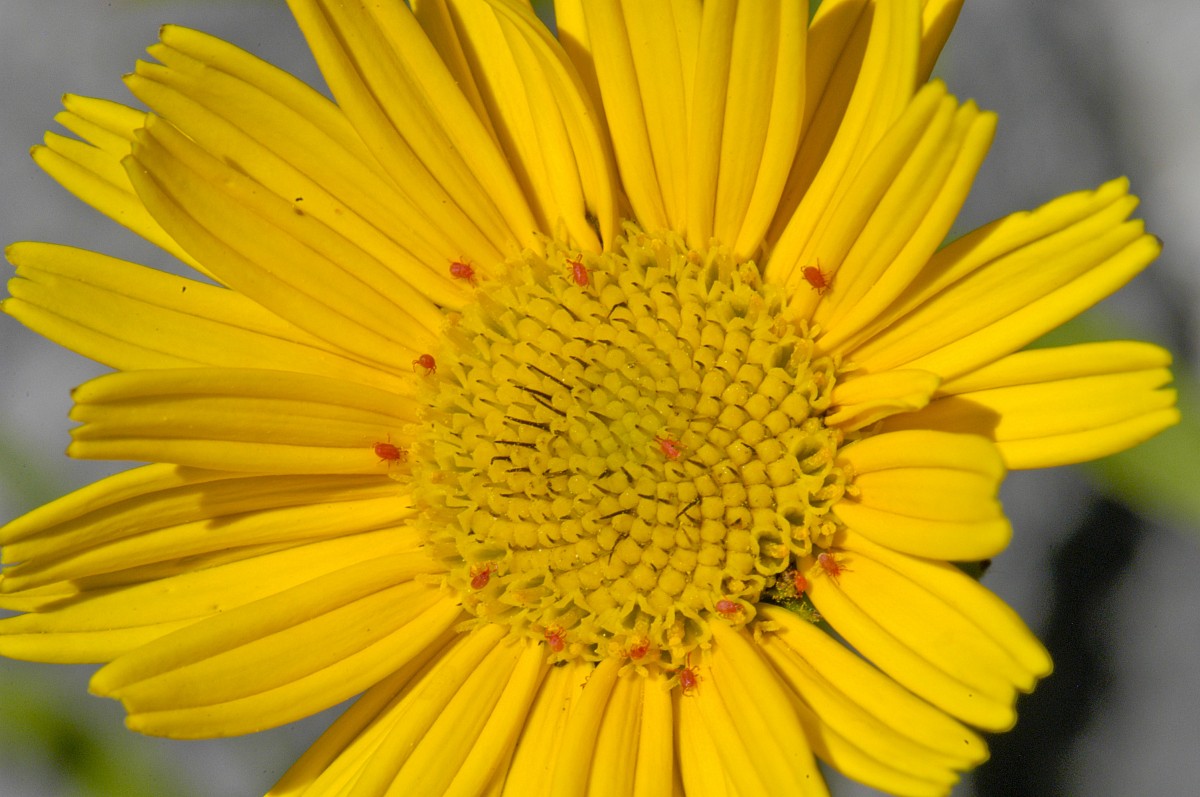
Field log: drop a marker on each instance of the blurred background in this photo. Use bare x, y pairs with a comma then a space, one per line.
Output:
1105, 558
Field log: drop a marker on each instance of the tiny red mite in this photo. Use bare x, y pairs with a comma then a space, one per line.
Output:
640, 649
801, 582
579, 273
672, 449
689, 679
816, 278
831, 565
462, 271
728, 608
555, 639
427, 362
481, 574
387, 452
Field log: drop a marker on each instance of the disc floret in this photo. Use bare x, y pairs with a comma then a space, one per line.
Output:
630, 457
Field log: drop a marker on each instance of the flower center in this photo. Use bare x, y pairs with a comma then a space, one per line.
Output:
622, 449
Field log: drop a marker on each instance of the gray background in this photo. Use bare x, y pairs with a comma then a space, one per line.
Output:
1085, 90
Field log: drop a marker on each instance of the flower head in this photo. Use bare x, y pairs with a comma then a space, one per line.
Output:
603, 408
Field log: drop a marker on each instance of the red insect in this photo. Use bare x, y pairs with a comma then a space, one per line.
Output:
689, 679
481, 574
801, 582
462, 271
387, 452
728, 608
555, 638
427, 362
672, 449
817, 278
579, 273
639, 649
832, 565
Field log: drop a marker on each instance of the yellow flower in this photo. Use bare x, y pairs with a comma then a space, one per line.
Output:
604, 408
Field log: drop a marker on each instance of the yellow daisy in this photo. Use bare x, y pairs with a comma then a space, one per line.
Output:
604, 408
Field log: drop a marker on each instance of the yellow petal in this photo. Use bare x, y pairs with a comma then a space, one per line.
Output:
241, 420
909, 223
614, 761
823, 239
289, 262
709, 93
735, 752
307, 695
130, 317
1058, 406
864, 706
861, 400
505, 722
952, 540
336, 759
934, 628
864, 749
36, 599
959, 647
635, 54
937, 20
995, 290
760, 710
992, 615
891, 217
1062, 449
664, 39
846, 757
745, 117
164, 522
282, 614
860, 75
927, 493
391, 82
298, 145
106, 125
656, 765
280, 676
564, 129
909, 667
702, 769
571, 31
924, 449
111, 615
375, 756
932, 492
60, 643
532, 768
439, 25
128, 486
92, 170
478, 727
574, 762
763, 114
